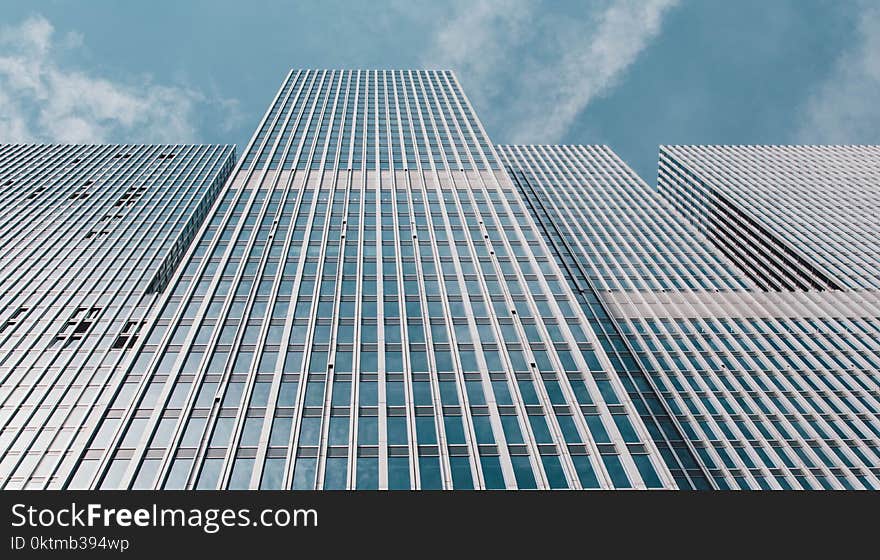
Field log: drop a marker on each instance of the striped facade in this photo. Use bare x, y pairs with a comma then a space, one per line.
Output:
89, 236
370, 305
744, 385
377, 297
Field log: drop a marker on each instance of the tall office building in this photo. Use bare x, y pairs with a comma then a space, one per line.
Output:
370, 304
612, 235
378, 297
89, 236
801, 223
744, 383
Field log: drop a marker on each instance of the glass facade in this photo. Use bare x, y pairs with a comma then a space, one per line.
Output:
794, 217
377, 297
742, 386
370, 119
371, 305
90, 236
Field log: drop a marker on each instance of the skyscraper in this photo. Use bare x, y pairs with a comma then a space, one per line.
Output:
89, 237
741, 389
612, 235
376, 296
801, 223
370, 305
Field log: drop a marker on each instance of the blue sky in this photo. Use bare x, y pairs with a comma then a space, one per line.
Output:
628, 73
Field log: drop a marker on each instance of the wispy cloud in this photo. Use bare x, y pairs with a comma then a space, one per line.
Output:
844, 108
43, 100
477, 38
552, 64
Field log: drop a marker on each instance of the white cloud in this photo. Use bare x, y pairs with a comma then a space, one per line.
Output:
844, 108
42, 101
552, 64
475, 40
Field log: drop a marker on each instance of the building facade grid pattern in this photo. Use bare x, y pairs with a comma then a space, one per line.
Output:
376, 297
351, 328
86, 230
813, 209
371, 119
771, 393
